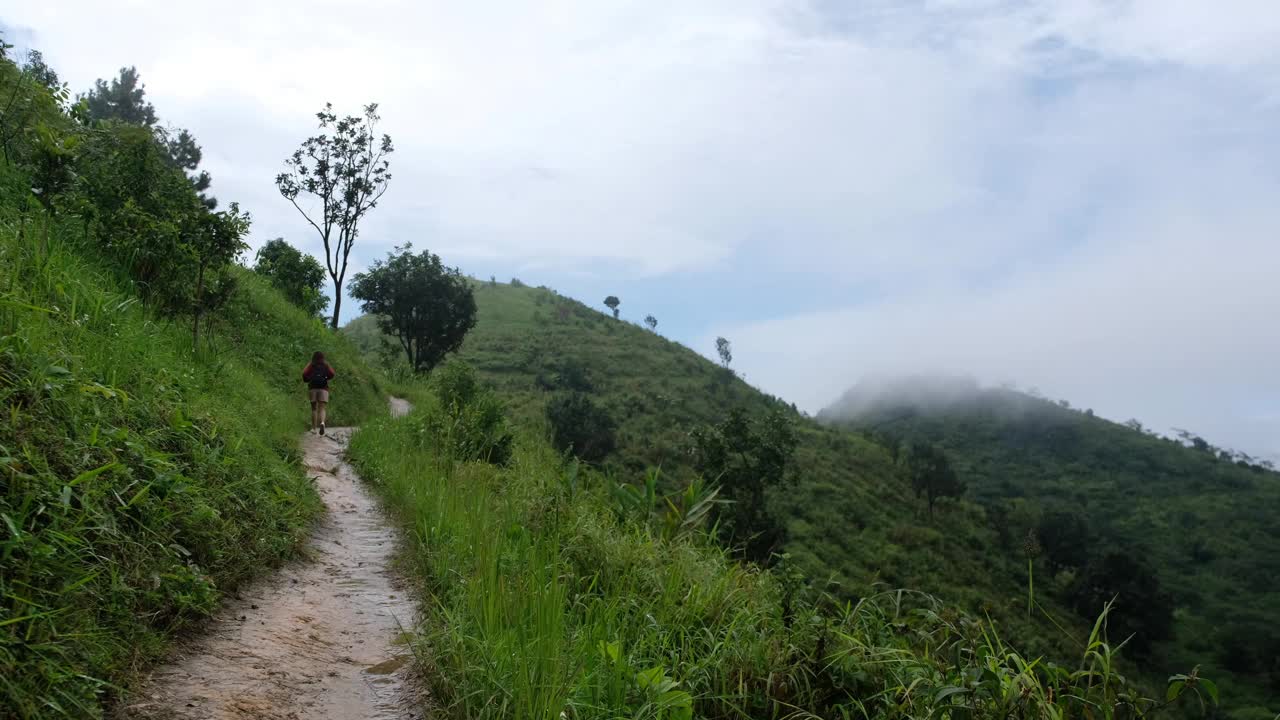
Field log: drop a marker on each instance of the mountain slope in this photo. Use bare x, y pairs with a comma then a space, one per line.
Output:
850, 516
141, 477
1205, 520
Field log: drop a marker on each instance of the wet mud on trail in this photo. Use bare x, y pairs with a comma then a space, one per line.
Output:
321, 638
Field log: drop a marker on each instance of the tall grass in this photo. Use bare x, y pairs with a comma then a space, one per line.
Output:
140, 477
550, 596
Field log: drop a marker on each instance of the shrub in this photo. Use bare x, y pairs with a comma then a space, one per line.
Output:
581, 426
470, 422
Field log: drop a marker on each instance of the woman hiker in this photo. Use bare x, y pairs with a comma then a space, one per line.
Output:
317, 375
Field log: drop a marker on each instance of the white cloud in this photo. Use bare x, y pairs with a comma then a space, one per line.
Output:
1044, 188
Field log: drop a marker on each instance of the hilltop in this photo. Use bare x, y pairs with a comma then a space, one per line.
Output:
851, 518
1202, 517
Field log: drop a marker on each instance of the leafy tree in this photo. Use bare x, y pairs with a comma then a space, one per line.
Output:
144, 212
652, 322
578, 424
613, 302
748, 458
930, 473
572, 375
1143, 610
429, 308
347, 171
219, 241
31, 106
1064, 536
725, 351
185, 153
124, 99
298, 275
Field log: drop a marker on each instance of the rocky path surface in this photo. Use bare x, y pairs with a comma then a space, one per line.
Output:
322, 638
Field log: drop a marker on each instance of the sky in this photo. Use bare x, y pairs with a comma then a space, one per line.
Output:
1081, 196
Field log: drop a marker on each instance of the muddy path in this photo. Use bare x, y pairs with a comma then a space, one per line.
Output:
321, 638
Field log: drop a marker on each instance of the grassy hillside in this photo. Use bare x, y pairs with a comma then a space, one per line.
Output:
140, 476
1204, 519
552, 594
852, 519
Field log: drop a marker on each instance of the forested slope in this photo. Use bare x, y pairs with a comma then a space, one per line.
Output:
850, 516
1196, 524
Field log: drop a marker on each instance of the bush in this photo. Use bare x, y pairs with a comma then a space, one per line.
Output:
581, 426
470, 422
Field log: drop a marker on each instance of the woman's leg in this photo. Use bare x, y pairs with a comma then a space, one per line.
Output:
315, 414
323, 407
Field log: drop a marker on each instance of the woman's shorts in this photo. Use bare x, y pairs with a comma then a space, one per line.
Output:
319, 395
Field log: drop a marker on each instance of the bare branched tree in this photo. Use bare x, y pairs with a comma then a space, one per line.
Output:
347, 171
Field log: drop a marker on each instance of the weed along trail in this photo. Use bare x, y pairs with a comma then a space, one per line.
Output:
322, 638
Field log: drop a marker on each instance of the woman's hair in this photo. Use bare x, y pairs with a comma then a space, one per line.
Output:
318, 358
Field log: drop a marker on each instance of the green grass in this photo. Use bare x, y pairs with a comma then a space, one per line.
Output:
139, 479
852, 519
547, 597
854, 524
1204, 522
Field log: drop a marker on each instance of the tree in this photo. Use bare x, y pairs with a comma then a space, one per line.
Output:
748, 458
429, 308
298, 275
930, 473
1064, 536
219, 241
613, 302
579, 425
347, 171
1142, 610
31, 106
124, 99
652, 322
185, 153
726, 353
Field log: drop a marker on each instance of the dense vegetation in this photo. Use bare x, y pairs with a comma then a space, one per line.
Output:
149, 403
554, 592
850, 518
1184, 531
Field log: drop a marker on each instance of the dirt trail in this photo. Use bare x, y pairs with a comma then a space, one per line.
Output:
322, 638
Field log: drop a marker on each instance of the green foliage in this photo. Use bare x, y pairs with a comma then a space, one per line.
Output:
748, 458
930, 473
847, 516
471, 423
724, 350
612, 302
33, 103
294, 273
1192, 527
580, 426
347, 172
427, 307
545, 601
1064, 535
652, 322
143, 473
139, 483
1122, 576
122, 100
